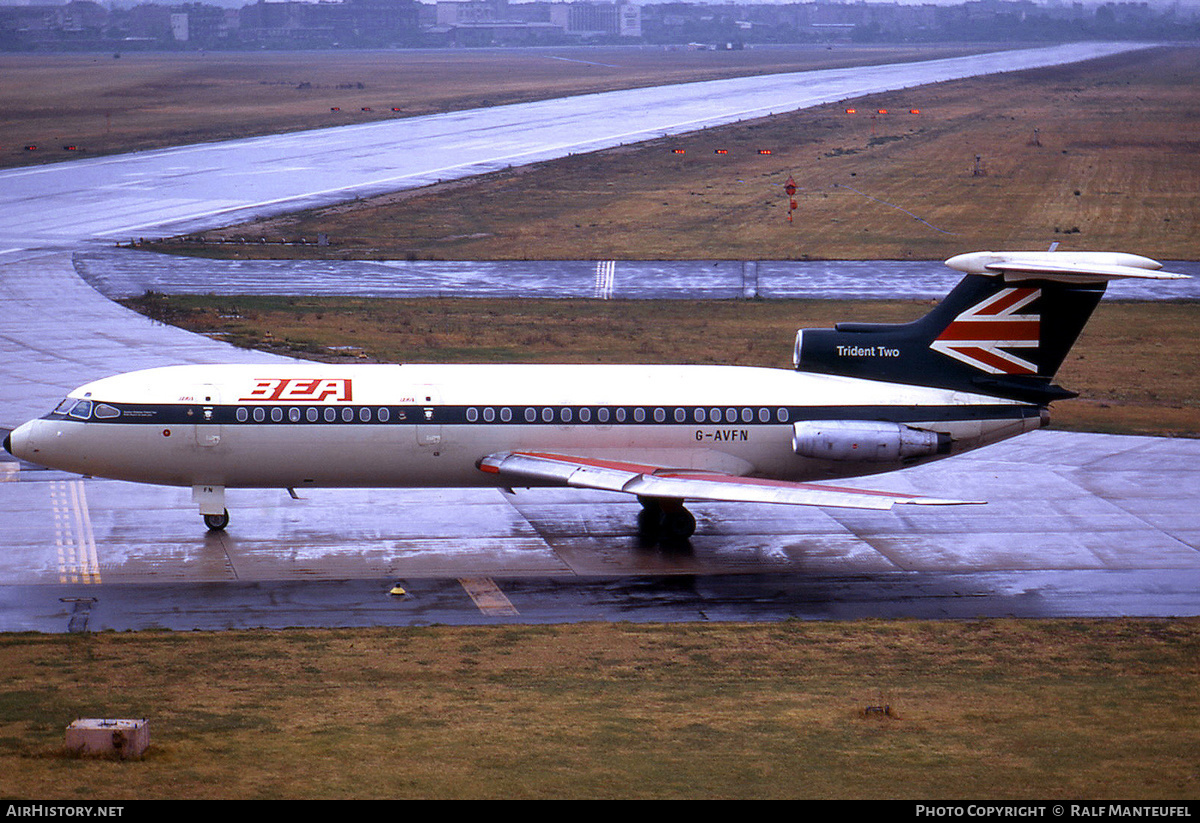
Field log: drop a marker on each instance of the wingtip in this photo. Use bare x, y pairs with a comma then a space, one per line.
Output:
939, 501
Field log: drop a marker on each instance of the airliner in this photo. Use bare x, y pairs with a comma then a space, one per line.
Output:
861, 399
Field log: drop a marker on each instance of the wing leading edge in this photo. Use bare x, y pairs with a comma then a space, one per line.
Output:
658, 481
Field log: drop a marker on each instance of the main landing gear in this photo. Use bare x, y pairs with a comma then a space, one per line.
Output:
665, 518
217, 522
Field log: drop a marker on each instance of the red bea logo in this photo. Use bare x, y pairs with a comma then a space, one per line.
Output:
300, 390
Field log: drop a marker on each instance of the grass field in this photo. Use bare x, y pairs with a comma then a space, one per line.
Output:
1102, 155
1137, 365
1019, 710
104, 104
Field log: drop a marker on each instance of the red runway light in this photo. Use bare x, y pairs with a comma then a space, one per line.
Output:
678, 151
721, 151
764, 151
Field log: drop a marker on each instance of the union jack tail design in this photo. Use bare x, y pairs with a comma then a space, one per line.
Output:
984, 335
991, 335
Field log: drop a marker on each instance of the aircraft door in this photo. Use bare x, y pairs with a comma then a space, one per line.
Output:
208, 428
429, 424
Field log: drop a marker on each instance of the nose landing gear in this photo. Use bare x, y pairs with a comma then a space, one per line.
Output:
217, 522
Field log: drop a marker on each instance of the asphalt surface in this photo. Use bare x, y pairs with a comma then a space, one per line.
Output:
119, 273
1076, 524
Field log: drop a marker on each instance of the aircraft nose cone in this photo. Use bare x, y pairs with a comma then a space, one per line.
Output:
16, 440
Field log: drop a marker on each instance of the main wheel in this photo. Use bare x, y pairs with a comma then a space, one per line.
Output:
217, 522
679, 524
666, 519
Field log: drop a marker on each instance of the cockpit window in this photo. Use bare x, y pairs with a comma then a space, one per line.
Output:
81, 410
65, 405
106, 412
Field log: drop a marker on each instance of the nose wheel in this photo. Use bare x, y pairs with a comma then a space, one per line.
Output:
217, 522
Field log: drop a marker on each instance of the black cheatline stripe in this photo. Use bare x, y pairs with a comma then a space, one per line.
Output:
344, 414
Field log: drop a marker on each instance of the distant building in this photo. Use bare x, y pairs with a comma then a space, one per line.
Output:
85, 25
496, 22
598, 19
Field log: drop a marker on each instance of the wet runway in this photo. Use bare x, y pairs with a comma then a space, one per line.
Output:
119, 273
187, 188
1076, 525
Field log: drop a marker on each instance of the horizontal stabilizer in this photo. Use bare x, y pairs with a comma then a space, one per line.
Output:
1067, 266
695, 484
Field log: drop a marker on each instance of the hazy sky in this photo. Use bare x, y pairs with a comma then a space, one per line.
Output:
1160, 4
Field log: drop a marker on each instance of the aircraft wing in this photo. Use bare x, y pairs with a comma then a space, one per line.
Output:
696, 484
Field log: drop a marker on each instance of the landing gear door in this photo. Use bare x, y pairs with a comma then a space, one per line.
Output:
429, 424
208, 428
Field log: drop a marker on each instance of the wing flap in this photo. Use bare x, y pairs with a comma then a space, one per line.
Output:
657, 481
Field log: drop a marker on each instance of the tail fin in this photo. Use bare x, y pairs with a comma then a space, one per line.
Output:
1003, 330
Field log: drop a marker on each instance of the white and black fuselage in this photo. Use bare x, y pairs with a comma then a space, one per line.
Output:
423, 425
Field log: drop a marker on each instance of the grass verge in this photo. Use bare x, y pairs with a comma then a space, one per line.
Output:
991, 709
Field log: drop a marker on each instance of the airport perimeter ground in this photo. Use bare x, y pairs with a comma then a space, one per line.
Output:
1048, 710
1101, 155
989, 709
